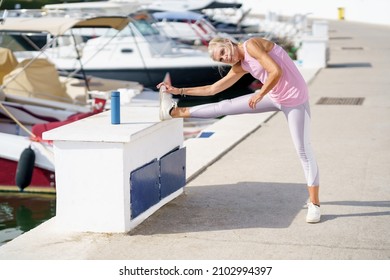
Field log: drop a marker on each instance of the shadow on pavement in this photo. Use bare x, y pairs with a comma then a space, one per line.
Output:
227, 207
376, 204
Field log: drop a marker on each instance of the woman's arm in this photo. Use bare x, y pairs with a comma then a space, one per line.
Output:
234, 74
258, 48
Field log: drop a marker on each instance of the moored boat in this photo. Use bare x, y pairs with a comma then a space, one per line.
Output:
35, 98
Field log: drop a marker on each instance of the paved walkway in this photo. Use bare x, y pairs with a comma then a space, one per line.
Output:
249, 203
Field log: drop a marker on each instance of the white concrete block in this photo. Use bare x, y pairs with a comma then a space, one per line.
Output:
94, 159
313, 52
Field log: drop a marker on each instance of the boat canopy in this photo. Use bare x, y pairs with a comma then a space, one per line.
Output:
58, 26
219, 5
8, 62
195, 6
178, 15
40, 80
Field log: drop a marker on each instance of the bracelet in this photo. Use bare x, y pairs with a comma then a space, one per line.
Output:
181, 92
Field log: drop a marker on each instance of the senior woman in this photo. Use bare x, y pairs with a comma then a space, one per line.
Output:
284, 89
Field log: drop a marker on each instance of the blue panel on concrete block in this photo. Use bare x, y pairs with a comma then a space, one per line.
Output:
172, 172
206, 134
144, 188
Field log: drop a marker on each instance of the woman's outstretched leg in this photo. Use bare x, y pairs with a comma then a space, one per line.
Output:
235, 106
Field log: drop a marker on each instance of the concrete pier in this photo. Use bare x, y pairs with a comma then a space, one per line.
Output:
247, 203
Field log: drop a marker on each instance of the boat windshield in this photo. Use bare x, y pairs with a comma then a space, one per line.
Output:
142, 26
145, 28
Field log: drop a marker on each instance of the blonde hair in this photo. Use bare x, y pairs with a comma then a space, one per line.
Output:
218, 43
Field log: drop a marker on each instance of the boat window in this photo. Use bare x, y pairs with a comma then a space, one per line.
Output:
23, 41
145, 27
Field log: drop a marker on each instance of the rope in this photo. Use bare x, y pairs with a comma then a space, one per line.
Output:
33, 138
73, 73
17, 122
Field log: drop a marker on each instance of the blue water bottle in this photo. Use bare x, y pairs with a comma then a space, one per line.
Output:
115, 108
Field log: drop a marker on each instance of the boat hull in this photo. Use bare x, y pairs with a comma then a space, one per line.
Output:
43, 180
180, 77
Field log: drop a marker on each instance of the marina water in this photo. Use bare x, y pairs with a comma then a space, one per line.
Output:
21, 212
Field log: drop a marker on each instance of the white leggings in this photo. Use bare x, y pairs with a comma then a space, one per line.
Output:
298, 119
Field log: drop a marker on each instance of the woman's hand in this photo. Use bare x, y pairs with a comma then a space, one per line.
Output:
169, 88
255, 98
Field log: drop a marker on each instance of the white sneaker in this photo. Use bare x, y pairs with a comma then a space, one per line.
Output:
166, 104
313, 213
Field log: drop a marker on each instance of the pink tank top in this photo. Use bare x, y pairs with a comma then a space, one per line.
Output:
291, 90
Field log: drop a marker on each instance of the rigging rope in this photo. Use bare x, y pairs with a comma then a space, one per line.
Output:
17, 121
